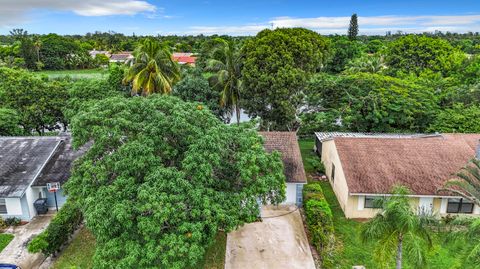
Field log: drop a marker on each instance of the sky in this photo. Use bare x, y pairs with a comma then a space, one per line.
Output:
235, 17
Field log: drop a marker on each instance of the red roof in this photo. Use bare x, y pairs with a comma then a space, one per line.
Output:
185, 59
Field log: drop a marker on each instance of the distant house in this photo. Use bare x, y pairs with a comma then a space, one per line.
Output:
122, 57
27, 164
184, 58
287, 145
94, 53
363, 168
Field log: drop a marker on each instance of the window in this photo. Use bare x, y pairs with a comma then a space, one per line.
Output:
332, 175
459, 206
373, 202
3, 206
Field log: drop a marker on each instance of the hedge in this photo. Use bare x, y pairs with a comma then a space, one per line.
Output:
319, 221
59, 230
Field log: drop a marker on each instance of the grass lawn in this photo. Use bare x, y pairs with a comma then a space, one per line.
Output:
352, 251
5, 240
79, 253
75, 74
306, 147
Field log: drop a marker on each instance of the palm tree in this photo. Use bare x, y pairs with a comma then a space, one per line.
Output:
37, 44
226, 62
397, 228
467, 183
153, 69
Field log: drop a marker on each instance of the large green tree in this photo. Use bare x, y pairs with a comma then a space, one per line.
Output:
163, 176
343, 51
227, 64
418, 53
373, 103
153, 70
457, 119
275, 72
398, 229
194, 87
38, 102
9, 122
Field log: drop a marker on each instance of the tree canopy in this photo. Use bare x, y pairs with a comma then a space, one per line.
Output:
414, 53
277, 65
163, 176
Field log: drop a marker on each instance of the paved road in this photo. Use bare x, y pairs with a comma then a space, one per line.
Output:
278, 242
16, 252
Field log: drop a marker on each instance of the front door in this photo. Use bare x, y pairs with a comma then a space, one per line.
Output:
425, 205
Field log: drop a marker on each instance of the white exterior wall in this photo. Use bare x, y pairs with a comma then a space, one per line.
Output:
339, 184
31, 196
291, 194
14, 206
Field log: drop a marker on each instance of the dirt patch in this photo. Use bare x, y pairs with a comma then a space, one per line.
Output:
279, 241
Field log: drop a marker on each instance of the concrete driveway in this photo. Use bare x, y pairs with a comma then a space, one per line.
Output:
16, 252
278, 242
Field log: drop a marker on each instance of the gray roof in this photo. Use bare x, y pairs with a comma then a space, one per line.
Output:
21, 160
324, 136
35, 161
58, 168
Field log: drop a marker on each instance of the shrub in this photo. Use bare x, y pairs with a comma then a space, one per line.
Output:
317, 164
12, 221
319, 219
58, 231
3, 225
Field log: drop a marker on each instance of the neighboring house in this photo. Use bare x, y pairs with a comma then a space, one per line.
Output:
122, 57
184, 58
363, 168
94, 53
287, 145
27, 164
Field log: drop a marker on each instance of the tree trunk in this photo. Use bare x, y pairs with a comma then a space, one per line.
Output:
399, 251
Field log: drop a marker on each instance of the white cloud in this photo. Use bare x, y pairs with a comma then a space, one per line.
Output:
13, 12
367, 25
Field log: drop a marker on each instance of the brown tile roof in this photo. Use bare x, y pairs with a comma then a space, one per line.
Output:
286, 143
375, 165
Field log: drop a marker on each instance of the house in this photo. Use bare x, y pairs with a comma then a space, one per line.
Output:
363, 168
27, 164
287, 145
184, 58
94, 53
122, 57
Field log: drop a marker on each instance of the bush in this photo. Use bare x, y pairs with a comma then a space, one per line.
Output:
58, 231
319, 219
3, 225
12, 221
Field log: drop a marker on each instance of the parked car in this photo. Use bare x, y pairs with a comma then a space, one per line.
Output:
9, 266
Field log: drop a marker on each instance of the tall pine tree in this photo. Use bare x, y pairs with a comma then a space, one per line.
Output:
353, 28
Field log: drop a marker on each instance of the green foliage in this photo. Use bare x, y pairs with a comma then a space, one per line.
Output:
79, 253
102, 59
12, 221
319, 220
276, 68
116, 73
458, 119
9, 122
163, 176
39, 103
194, 87
60, 229
398, 228
85, 91
153, 69
374, 103
58, 52
353, 27
226, 62
413, 53
5, 240
344, 51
